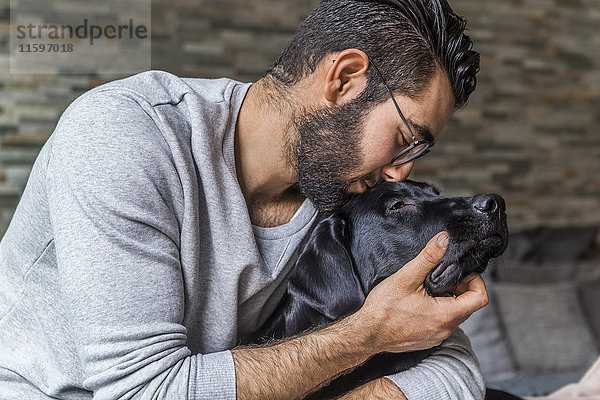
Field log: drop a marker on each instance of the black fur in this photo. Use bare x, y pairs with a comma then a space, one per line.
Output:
369, 239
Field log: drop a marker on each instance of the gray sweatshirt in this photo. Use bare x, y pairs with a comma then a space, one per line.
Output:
131, 268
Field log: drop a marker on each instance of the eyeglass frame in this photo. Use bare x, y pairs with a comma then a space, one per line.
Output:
428, 145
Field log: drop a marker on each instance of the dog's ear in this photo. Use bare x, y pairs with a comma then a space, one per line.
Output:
325, 271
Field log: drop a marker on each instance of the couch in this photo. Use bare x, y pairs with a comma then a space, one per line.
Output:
541, 329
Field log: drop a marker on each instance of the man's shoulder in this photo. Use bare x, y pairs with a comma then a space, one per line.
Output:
139, 98
157, 87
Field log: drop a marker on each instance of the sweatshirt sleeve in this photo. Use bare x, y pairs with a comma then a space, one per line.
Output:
451, 373
112, 185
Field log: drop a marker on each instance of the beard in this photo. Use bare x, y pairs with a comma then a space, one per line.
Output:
326, 151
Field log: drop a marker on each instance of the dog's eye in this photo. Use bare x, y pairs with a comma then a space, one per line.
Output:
397, 205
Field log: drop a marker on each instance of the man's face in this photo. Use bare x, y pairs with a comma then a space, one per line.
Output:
345, 149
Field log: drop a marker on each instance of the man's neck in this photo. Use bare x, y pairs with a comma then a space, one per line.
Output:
263, 139
277, 212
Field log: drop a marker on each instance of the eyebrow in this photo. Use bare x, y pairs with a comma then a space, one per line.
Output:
422, 132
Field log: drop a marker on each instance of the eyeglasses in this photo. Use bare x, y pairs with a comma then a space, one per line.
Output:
419, 147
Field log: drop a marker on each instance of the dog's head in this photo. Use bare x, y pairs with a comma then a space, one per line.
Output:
379, 231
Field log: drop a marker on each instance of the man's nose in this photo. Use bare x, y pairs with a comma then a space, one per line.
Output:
400, 173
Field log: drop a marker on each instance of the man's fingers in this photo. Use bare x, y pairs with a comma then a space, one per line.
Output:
415, 271
463, 286
471, 294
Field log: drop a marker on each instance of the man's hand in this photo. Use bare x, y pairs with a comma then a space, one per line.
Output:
402, 317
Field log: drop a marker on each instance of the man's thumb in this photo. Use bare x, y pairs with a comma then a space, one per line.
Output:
417, 269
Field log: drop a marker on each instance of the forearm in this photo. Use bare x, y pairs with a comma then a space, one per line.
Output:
293, 368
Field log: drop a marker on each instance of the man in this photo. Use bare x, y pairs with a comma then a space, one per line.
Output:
162, 217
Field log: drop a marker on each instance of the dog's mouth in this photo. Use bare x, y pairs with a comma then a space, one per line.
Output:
442, 280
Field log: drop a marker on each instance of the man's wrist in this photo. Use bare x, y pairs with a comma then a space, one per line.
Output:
364, 329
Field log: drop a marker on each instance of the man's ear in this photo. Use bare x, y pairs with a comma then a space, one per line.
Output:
325, 275
346, 76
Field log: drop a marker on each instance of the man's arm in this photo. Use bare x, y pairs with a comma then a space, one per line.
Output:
398, 316
378, 389
311, 359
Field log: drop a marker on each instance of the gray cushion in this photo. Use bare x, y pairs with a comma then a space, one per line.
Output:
489, 343
545, 326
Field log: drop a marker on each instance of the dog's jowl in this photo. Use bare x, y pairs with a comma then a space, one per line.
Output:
371, 237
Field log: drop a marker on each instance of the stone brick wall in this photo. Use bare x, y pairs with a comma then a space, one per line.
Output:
532, 129
530, 132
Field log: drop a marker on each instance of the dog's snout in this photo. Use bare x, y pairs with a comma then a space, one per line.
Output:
489, 203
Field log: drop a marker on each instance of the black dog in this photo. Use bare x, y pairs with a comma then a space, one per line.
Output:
370, 238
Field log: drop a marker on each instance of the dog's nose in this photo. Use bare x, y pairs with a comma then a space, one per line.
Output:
489, 203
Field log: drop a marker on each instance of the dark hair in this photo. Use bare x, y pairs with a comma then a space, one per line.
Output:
407, 39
